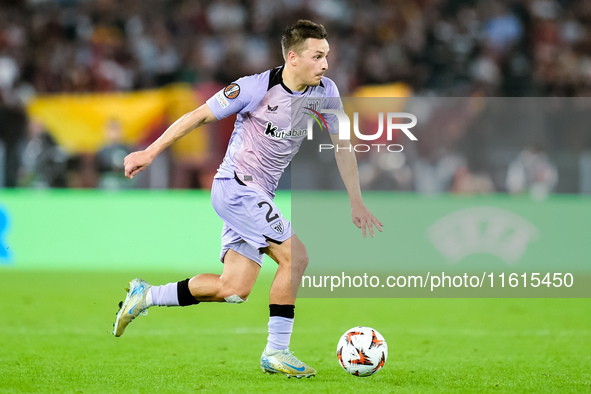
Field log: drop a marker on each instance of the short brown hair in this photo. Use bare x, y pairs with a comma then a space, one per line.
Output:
295, 36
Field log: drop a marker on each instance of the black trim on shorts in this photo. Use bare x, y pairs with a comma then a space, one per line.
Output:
272, 240
269, 240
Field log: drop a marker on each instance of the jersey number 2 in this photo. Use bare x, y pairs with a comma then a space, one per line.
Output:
268, 216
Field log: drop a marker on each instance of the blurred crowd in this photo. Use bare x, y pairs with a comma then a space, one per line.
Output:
448, 47
438, 47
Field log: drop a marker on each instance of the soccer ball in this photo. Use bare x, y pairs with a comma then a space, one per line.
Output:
362, 351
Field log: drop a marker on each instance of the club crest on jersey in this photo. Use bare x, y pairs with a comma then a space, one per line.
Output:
273, 131
232, 91
277, 227
313, 103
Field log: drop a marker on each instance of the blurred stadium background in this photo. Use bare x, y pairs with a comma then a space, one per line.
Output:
83, 82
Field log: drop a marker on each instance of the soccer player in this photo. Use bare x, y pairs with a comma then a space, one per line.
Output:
264, 140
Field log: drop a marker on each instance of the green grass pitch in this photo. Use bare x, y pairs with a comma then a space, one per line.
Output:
55, 333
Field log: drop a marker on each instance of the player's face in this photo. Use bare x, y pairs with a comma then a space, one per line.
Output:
312, 63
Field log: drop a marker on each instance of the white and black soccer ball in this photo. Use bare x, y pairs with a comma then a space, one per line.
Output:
362, 351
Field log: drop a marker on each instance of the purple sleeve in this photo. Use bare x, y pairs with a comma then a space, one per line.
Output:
332, 101
240, 96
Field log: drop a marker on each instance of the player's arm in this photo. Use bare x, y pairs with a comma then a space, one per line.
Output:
347, 164
138, 161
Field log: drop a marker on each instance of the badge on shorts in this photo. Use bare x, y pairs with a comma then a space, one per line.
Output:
277, 227
232, 91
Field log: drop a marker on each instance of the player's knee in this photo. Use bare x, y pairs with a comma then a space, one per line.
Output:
301, 261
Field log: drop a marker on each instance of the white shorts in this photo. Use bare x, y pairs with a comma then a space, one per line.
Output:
251, 219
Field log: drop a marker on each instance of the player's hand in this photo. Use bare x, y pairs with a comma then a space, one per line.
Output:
136, 162
364, 219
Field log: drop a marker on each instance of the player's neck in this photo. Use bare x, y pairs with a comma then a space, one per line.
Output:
292, 81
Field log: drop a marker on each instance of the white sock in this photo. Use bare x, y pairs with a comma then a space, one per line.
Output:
165, 295
280, 329
149, 297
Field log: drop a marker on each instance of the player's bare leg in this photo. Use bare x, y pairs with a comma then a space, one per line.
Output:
233, 286
237, 280
292, 259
